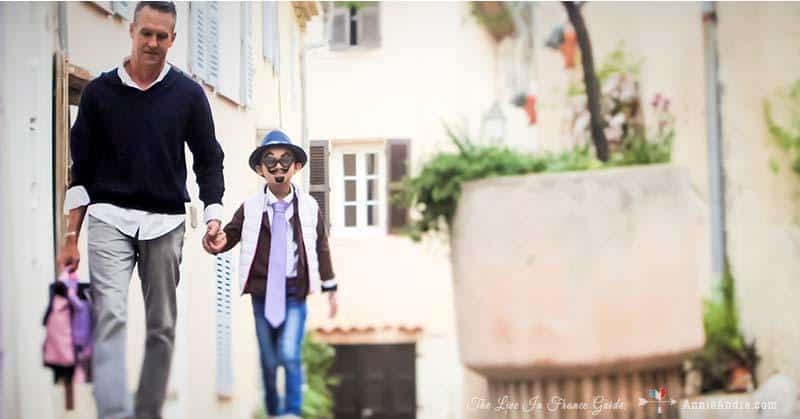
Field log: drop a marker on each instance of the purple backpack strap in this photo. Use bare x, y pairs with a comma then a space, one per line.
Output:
81, 313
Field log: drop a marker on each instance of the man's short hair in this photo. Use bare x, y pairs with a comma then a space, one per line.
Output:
161, 6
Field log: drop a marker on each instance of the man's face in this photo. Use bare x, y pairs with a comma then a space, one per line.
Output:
153, 33
278, 165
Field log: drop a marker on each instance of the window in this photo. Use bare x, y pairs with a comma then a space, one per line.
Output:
356, 185
354, 26
360, 185
357, 188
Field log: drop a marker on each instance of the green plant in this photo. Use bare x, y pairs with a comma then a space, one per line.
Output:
317, 359
725, 348
352, 4
434, 192
617, 61
495, 17
787, 137
621, 108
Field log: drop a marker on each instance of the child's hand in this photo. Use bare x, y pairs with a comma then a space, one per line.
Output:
215, 239
332, 302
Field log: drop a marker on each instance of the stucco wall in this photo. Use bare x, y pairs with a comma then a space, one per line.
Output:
433, 66
758, 46
26, 204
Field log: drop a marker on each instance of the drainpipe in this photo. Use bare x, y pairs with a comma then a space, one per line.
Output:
304, 86
714, 134
304, 81
63, 41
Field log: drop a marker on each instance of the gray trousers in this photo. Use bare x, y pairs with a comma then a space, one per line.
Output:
111, 259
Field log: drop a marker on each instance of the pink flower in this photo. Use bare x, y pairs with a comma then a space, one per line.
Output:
656, 100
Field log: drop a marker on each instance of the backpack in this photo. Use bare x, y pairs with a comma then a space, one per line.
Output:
67, 347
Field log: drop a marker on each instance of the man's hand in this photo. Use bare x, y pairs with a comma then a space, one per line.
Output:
333, 303
215, 239
68, 256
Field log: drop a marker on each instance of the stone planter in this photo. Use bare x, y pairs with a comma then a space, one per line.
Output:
582, 283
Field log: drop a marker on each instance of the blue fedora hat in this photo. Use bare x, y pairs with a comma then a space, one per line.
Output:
277, 137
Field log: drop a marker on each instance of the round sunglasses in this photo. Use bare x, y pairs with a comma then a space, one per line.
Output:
285, 161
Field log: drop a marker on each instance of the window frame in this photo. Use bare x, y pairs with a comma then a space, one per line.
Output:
361, 177
354, 28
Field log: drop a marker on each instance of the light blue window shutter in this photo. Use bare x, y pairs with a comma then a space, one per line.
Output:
271, 45
104, 5
212, 17
198, 49
269, 11
123, 8
222, 270
276, 45
247, 55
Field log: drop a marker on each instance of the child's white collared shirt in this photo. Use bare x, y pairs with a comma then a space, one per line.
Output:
291, 245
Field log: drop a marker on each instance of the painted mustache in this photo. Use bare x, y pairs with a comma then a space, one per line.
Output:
279, 174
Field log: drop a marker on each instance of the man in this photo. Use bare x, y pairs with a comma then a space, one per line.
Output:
129, 175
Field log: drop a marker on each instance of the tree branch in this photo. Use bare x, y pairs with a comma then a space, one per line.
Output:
597, 124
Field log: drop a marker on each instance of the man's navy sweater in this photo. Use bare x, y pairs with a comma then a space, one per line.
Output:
127, 145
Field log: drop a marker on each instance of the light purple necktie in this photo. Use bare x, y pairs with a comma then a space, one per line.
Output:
275, 304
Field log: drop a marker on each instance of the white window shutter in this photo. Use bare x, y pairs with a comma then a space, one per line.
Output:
267, 10
292, 73
104, 5
247, 55
123, 8
271, 45
212, 17
198, 48
340, 28
223, 274
368, 27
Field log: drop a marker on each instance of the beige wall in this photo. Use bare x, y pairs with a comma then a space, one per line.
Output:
758, 58
98, 43
433, 66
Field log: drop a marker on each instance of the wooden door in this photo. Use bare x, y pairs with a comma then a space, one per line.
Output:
377, 382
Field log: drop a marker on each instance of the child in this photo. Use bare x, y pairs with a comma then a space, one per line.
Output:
284, 257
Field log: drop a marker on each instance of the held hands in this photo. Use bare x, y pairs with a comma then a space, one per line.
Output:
215, 239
